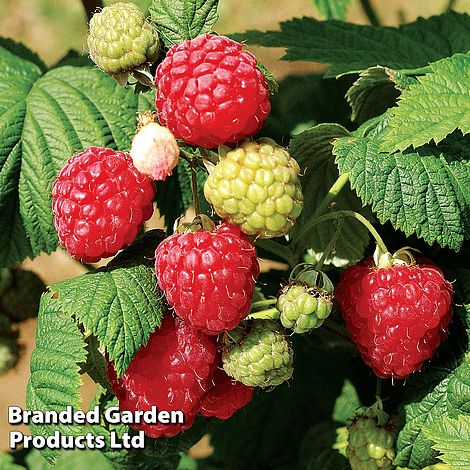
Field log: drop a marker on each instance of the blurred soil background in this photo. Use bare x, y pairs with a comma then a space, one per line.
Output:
52, 27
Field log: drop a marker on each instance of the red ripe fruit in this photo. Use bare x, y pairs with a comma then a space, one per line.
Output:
172, 372
397, 316
225, 397
100, 201
211, 92
208, 277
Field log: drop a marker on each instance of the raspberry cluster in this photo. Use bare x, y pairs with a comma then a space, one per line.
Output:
206, 357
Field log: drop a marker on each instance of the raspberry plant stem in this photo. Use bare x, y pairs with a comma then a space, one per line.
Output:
263, 303
192, 165
370, 12
269, 314
333, 192
378, 388
345, 213
331, 245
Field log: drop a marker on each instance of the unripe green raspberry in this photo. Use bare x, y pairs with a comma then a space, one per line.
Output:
370, 445
256, 186
120, 39
302, 307
258, 354
20, 293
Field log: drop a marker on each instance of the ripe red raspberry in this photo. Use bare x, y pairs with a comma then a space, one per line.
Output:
100, 201
211, 92
208, 277
172, 372
225, 397
397, 316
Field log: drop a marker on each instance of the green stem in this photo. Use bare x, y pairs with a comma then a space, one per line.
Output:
192, 164
370, 12
333, 192
378, 388
91, 6
263, 303
276, 248
355, 215
269, 314
330, 245
189, 157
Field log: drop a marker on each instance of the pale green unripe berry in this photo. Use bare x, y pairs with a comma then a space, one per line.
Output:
258, 354
303, 308
257, 187
120, 39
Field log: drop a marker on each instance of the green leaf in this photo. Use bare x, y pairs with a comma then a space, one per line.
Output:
95, 365
451, 439
45, 119
312, 150
177, 20
432, 396
352, 48
432, 108
422, 191
70, 460
55, 377
117, 457
332, 9
346, 404
69, 108
273, 85
16, 79
120, 304
376, 90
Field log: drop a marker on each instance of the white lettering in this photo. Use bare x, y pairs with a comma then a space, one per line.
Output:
112, 415
15, 415
15, 438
